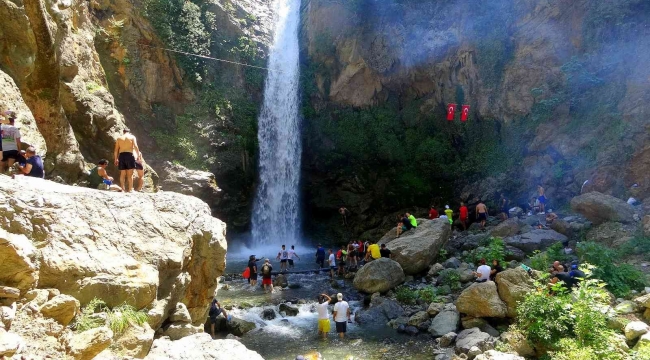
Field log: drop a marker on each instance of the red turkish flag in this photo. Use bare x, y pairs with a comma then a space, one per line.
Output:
465, 113
451, 111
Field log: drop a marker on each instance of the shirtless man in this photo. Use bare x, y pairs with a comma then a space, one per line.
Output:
125, 146
481, 213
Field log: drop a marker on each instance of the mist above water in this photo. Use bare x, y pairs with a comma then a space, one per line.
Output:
276, 208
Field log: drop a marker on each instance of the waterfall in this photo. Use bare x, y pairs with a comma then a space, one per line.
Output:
276, 206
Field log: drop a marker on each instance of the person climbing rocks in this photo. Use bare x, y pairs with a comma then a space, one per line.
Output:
292, 254
403, 225
464, 215
10, 142
323, 315
481, 213
139, 169
503, 205
33, 164
215, 311
283, 256
385, 252
99, 179
320, 256
373, 252
266, 275
252, 266
496, 268
332, 263
576, 275
341, 315
450, 214
433, 213
482, 273
542, 199
345, 213
125, 146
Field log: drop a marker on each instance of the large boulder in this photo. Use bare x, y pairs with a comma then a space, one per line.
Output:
135, 341
202, 184
612, 234
507, 228
86, 345
497, 355
634, 330
517, 341
482, 300
445, 322
239, 327
200, 346
469, 338
380, 311
538, 239
141, 249
379, 275
513, 285
599, 208
61, 308
417, 249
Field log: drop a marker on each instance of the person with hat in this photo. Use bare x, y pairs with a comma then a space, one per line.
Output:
10, 142
341, 315
450, 214
266, 275
125, 147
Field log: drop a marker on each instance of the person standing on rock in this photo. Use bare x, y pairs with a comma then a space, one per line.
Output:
252, 266
503, 205
292, 253
323, 315
283, 256
125, 146
542, 199
341, 315
332, 263
320, 256
266, 275
450, 214
341, 256
464, 215
481, 213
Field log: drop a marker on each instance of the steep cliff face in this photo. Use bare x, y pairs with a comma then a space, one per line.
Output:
554, 89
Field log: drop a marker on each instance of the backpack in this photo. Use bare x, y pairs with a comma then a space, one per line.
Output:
247, 273
266, 270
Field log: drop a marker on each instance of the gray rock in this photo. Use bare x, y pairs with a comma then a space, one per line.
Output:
280, 281
180, 314
447, 339
635, 329
268, 314
200, 346
467, 275
417, 249
288, 310
418, 318
507, 228
435, 269
513, 253
487, 328
176, 331
411, 330
434, 309
379, 275
9, 344
538, 239
481, 300
468, 338
451, 263
496, 355
445, 322
239, 327
400, 321
612, 234
473, 352
599, 208
9, 292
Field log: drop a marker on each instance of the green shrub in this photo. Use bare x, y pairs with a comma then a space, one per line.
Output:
542, 260
621, 278
428, 294
450, 277
85, 320
495, 249
406, 295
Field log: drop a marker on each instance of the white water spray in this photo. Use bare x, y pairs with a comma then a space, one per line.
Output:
275, 211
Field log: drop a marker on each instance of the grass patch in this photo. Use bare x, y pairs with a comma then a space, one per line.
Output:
408, 296
118, 319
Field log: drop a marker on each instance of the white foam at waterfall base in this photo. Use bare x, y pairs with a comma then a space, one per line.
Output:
276, 208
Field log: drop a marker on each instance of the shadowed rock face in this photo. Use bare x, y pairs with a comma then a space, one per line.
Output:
139, 249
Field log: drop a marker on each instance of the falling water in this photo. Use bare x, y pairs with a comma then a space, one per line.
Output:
275, 212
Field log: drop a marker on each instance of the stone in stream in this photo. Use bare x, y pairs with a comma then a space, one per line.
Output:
240, 327
379, 275
268, 314
280, 281
288, 310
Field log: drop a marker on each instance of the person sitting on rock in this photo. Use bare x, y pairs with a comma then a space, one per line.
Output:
403, 225
215, 311
385, 252
556, 268
482, 273
433, 213
33, 164
496, 268
550, 218
565, 278
373, 252
99, 179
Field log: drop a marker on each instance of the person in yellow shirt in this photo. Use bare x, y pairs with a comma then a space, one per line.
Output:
450, 214
373, 252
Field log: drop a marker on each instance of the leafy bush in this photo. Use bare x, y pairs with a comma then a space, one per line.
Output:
118, 319
428, 294
568, 324
406, 295
495, 249
621, 278
542, 260
450, 277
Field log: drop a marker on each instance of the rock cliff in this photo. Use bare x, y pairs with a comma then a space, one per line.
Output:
156, 252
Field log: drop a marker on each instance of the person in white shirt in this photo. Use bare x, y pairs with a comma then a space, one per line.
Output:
483, 272
292, 253
341, 315
332, 263
283, 256
10, 142
323, 315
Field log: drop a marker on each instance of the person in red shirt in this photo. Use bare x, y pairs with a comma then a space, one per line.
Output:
433, 213
464, 214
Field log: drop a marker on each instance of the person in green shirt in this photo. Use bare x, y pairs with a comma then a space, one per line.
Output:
99, 179
412, 220
450, 214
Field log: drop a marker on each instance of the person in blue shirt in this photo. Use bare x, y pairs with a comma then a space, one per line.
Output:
320, 256
33, 166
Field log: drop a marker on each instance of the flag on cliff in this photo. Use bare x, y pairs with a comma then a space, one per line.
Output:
451, 111
464, 113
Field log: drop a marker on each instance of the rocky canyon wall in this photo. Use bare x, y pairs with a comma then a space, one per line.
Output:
555, 90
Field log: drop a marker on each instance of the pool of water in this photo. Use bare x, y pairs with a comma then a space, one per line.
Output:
286, 337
